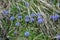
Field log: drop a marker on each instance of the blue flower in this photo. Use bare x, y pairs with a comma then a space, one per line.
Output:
27, 20
19, 16
54, 17
17, 24
12, 18
27, 16
5, 12
27, 34
57, 36
40, 20
26, 4
32, 19
33, 14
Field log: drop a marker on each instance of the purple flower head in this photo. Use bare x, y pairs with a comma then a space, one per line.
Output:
51, 16
26, 17
57, 37
40, 20
32, 19
12, 18
27, 20
19, 16
17, 24
33, 14
5, 12
27, 34
27, 4
54, 17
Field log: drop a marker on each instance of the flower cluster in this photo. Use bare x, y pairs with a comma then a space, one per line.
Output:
54, 17
32, 18
27, 18
5, 12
